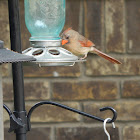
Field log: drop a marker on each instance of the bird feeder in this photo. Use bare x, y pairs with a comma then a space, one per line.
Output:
45, 20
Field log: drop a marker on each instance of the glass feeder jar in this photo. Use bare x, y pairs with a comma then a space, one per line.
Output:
45, 19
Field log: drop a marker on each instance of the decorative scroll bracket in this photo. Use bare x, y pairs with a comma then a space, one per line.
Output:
16, 123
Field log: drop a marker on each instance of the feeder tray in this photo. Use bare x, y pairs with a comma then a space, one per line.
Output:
8, 56
51, 56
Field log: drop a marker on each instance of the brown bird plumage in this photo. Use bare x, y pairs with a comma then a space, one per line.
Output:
81, 46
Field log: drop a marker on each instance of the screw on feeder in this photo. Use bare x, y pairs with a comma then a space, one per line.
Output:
1, 44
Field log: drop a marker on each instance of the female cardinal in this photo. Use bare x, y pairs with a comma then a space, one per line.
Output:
80, 46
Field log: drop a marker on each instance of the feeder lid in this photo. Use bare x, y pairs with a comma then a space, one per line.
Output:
8, 56
44, 43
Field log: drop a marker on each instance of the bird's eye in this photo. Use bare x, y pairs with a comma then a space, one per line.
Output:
67, 37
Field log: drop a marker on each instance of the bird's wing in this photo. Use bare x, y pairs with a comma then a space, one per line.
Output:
85, 42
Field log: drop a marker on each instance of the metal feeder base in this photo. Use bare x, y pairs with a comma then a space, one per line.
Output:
51, 56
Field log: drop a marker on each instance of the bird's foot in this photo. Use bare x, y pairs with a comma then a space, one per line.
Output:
82, 58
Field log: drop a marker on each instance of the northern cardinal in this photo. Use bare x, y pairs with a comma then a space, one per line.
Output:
81, 46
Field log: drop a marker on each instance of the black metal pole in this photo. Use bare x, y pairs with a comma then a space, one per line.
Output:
17, 70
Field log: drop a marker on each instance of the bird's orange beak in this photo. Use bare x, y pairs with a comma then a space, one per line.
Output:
64, 41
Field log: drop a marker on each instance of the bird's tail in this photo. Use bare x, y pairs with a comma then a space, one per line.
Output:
107, 57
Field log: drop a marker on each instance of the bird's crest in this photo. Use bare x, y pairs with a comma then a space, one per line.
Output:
67, 30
